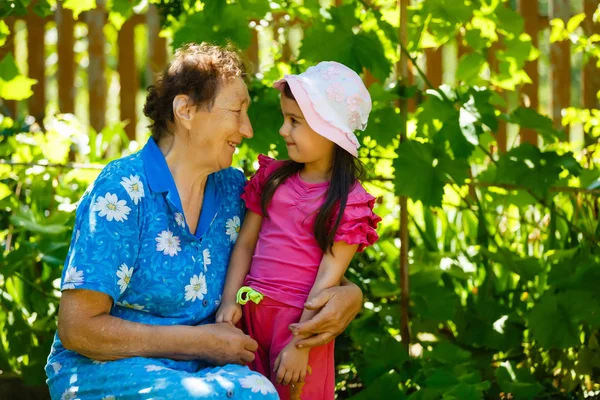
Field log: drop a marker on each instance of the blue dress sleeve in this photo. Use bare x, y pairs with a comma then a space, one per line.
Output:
105, 243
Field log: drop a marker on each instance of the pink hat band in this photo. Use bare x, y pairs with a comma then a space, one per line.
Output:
334, 101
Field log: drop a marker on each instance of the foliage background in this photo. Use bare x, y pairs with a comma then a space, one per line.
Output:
504, 248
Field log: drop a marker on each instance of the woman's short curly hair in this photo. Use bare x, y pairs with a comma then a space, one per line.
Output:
196, 70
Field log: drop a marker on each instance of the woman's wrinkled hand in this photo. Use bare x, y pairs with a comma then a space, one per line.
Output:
336, 307
223, 343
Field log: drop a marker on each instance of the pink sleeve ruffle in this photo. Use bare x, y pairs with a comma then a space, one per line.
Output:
359, 222
253, 190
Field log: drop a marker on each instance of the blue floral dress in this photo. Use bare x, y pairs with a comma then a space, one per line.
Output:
131, 241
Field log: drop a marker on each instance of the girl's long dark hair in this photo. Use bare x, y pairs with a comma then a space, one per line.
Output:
346, 170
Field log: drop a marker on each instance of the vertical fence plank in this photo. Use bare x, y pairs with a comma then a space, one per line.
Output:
404, 72
591, 73
501, 139
529, 96
157, 46
36, 61
9, 106
560, 66
65, 26
97, 85
434, 64
252, 52
128, 78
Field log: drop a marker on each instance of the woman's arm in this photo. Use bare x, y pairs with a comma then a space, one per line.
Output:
335, 308
239, 265
86, 327
331, 271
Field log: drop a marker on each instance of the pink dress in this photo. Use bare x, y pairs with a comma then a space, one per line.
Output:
285, 264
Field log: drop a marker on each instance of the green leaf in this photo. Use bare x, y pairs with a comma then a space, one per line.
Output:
575, 21
4, 191
231, 25
464, 391
370, 53
422, 170
526, 267
18, 88
470, 67
79, 6
8, 68
383, 288
4, 32
526, 165
22, 221
43, 8
530, 119
509, 21
551, 325
448, 353
389, 353
387, 386
384, 125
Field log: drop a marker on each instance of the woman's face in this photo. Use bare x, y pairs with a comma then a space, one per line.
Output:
216, 132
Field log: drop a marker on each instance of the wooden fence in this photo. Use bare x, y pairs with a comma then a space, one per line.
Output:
434, 60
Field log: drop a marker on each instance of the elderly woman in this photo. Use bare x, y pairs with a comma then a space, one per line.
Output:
150, 249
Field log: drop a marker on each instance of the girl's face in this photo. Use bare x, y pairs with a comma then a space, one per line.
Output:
304, 145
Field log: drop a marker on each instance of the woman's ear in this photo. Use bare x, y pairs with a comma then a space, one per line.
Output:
183, 110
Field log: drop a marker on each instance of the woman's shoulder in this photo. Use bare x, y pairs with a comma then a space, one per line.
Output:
121, 176
230, 178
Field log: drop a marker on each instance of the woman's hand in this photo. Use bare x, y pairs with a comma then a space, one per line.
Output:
223, 343
229, 312
336, 307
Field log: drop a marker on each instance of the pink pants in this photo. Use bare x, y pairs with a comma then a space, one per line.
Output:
267, 323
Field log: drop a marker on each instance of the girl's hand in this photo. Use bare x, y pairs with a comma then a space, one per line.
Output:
291, 365
229, 312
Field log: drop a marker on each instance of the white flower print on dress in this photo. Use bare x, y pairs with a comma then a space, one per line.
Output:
335, 91
258, 383
124, 273
167, 243
134, 187
180, 220
233, 228
109, 397
154, 368
206, 256
111, 207
70, 393
196, 289
73, 278
56, 367
133, 306
97, 362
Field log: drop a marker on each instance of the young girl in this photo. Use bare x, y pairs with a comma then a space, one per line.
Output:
306, 217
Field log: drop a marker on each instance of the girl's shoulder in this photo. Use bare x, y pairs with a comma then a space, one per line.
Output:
359, 196
268, 164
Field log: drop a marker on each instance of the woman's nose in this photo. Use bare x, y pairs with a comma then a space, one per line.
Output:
246, 127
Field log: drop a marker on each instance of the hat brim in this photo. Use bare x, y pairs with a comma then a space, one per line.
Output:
314, 119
